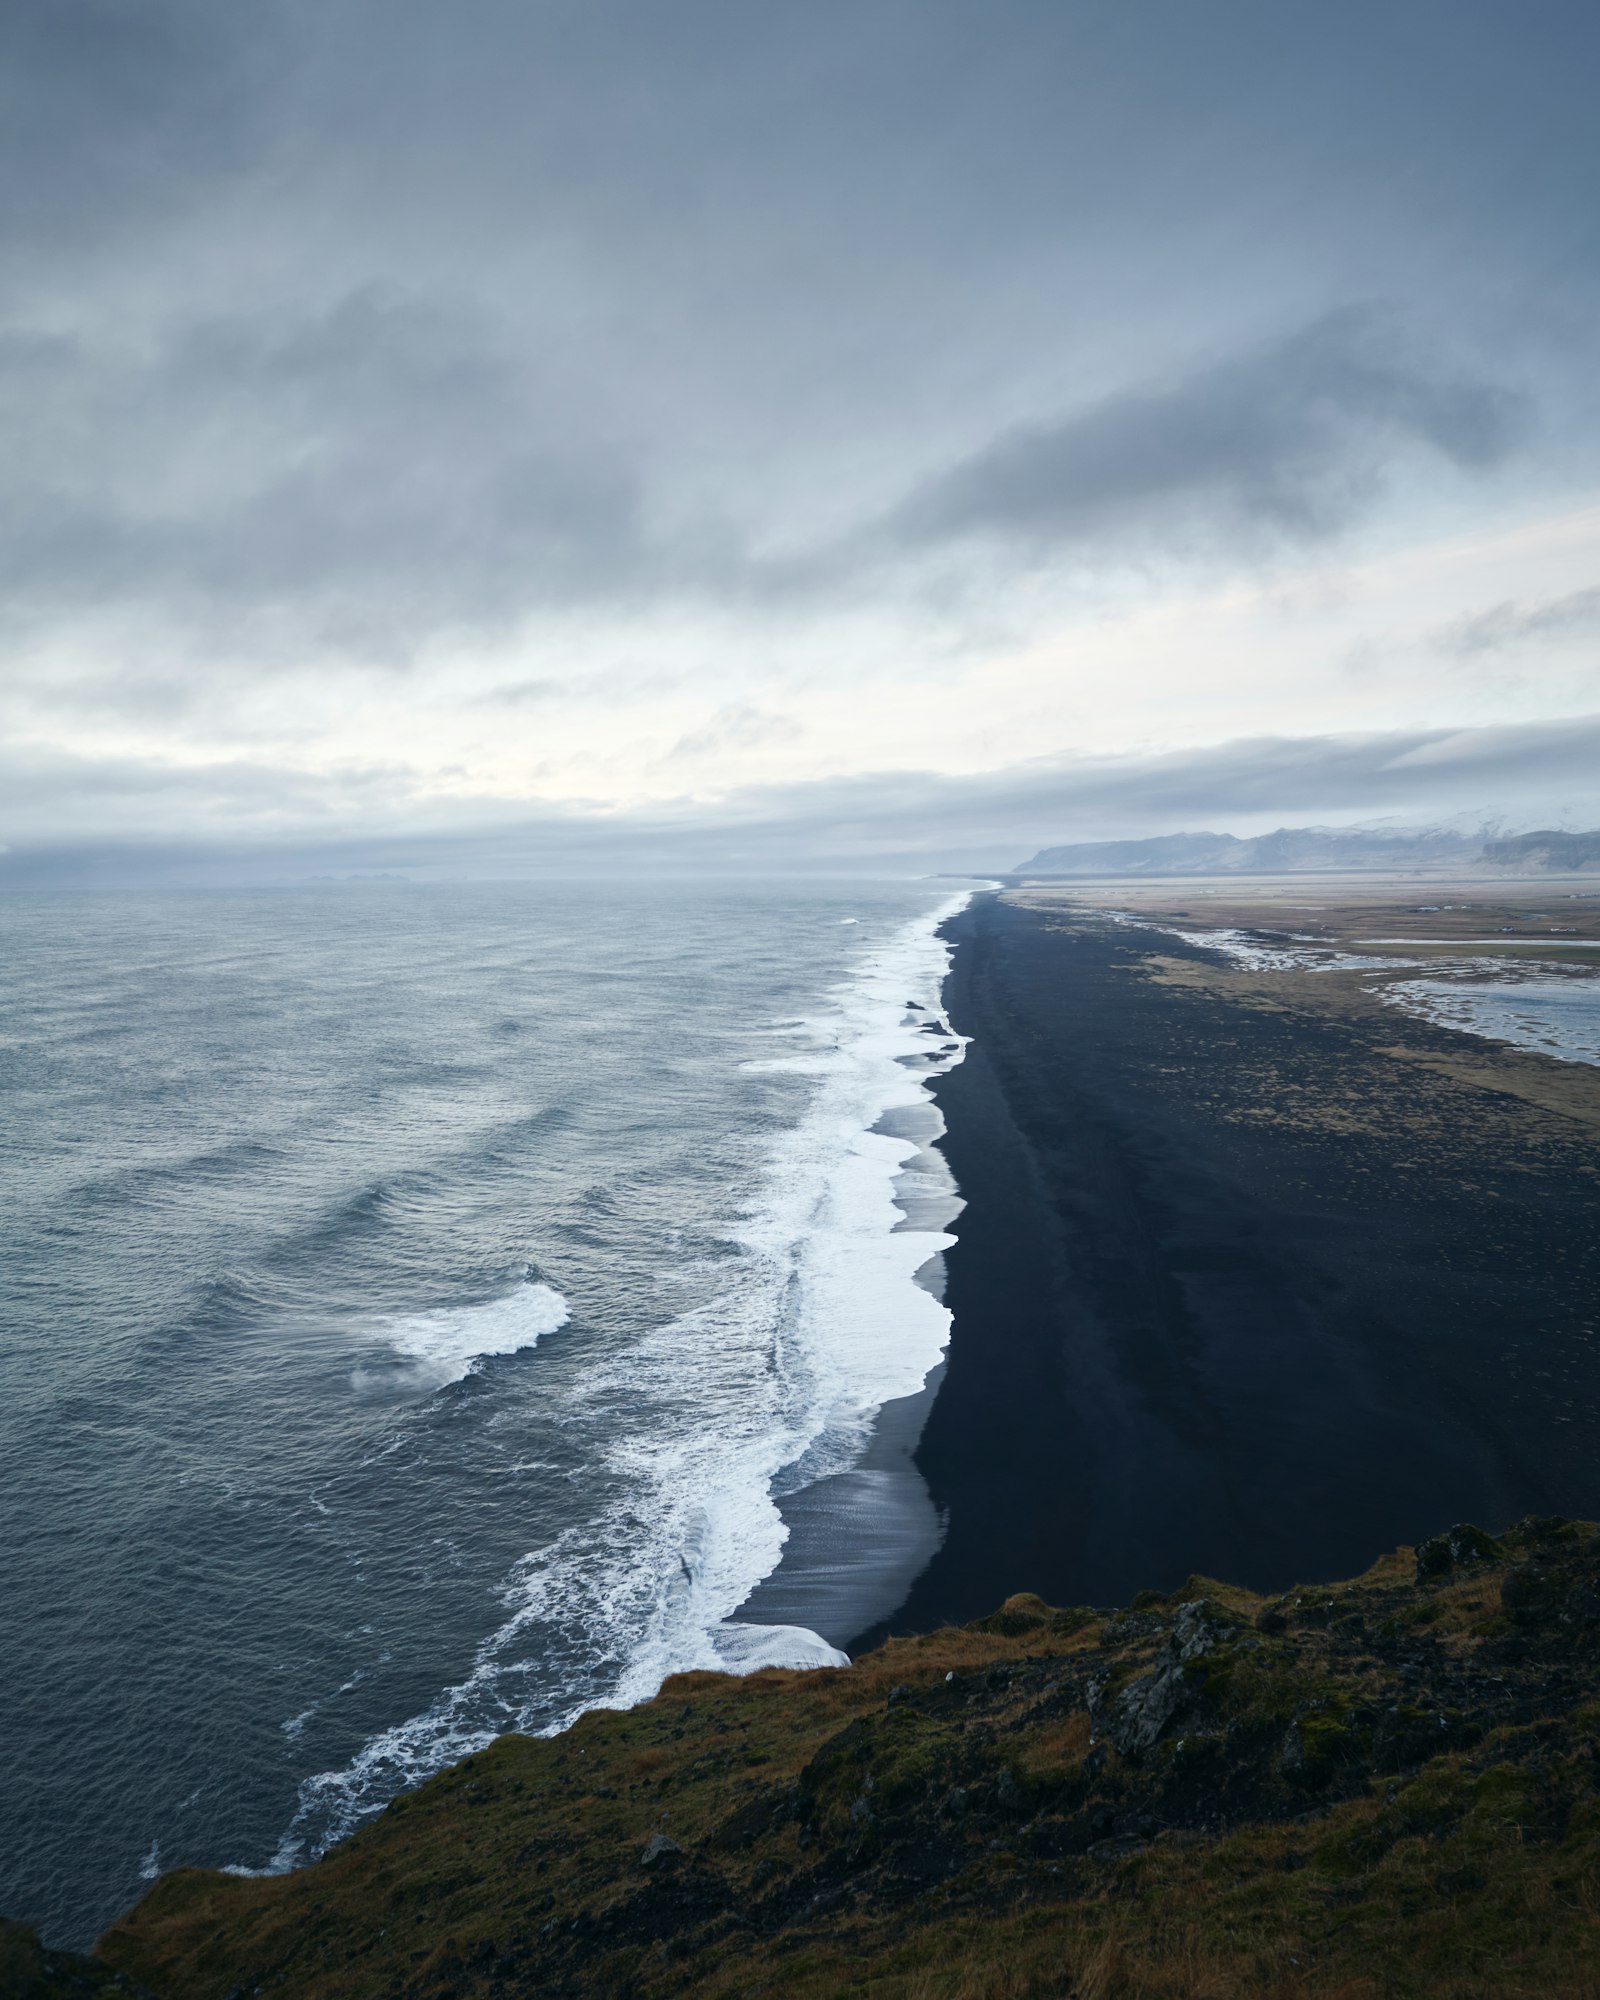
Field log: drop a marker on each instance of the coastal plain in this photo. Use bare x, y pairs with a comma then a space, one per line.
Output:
1257, 1272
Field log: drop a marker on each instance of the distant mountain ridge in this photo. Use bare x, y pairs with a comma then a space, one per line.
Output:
1322, 850
1548, 852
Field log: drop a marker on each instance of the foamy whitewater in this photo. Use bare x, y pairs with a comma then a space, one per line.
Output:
822, 1323
423, 1295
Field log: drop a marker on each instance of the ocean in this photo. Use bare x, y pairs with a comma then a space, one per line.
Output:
413, 1299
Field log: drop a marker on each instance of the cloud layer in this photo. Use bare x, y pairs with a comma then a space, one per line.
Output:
528, 403
904, 821
1510, 624
385, 470
1290, 439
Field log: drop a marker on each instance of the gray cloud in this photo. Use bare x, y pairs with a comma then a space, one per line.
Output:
341, 328
530, 693
1509, 624
359, 322
216, 822
234, 797
736, 726
113, 114
388, 468
1291, 439
376, 472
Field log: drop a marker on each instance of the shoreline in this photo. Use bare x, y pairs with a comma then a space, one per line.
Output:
1250, 1279
858, 1539
855, 1538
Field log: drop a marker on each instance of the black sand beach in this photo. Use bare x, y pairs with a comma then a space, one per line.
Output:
1248, 1283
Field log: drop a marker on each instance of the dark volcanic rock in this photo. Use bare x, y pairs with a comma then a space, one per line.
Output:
28, 1971
1458, 1545
1136, 1718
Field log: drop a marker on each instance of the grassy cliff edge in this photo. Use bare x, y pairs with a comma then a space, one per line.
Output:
1384, 1787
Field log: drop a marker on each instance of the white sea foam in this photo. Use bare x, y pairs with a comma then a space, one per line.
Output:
443, 1345
777, 1379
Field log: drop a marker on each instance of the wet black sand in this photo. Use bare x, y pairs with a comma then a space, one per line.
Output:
1241, 1288
857, 1540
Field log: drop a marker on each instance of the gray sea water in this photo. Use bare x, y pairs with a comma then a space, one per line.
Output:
411, 1300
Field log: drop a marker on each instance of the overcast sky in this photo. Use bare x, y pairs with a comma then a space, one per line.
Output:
878, 432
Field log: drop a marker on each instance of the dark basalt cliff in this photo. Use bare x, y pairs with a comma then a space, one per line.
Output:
1384, 1787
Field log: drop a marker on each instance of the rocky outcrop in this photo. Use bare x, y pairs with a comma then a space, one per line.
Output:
1139, 1715
28, 1971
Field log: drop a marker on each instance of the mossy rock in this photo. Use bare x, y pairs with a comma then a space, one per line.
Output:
1075, 1618
1017, 1616
1455, 1548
